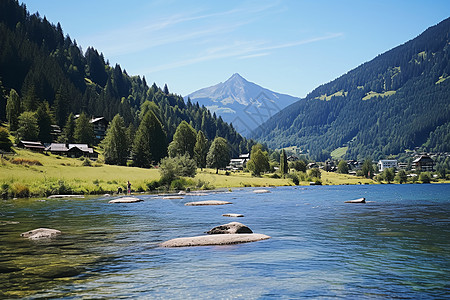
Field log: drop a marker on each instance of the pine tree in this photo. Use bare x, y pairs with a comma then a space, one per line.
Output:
115, 145
150, 142
68, 130
44, 121
13, 109
84, 130
201, 149
184, 141
219, 154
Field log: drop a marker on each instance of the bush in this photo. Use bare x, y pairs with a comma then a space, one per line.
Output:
425, 177
275, 175
87, 162
314, 172
298, 165
25, 161
153, 185
20, 190
173, 167
294, 178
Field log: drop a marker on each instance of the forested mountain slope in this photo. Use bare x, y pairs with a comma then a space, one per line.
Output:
42, 64
397, 101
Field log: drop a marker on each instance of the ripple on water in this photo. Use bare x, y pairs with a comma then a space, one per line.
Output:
396, 245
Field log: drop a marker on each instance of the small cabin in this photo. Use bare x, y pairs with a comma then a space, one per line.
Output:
33, 146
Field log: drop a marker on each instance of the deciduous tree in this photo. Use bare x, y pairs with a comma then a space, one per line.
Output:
219, 154
184, 140
28, 128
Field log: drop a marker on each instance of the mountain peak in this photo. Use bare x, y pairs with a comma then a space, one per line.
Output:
231, 100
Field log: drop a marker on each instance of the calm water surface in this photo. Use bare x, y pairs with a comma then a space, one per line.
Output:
395, 246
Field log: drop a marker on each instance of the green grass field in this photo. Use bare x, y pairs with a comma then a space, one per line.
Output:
42, 175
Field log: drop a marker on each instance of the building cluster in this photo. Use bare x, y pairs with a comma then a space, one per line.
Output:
100, 125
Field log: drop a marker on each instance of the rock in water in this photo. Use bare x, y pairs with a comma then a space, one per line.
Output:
207, 202
41, 233
360, 200
233, 215
230, 228
215, 240
125, 200
261, 191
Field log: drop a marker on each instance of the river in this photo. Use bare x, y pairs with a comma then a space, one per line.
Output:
397, 245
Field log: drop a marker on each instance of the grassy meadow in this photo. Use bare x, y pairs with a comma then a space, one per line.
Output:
34, 174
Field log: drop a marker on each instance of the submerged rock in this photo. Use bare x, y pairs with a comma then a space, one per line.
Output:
230, 228
126, 200
215, 240
65, 196
173, 197
233, 215
360, 200
40, 233
207, 202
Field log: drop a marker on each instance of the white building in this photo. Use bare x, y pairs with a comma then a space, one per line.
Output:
384, 164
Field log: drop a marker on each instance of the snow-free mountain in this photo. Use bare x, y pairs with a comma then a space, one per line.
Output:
244, 104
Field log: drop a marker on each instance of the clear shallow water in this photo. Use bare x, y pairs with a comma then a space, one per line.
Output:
395, 246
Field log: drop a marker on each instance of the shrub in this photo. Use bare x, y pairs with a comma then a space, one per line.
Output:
173, 167
25, 161
425, 177
20, 190
153, 185
87, 163
294, 178
314, 172
275, 175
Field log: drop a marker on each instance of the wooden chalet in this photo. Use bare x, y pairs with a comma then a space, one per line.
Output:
424, 163
33, 146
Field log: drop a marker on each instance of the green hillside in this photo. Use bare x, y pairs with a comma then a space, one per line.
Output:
43, 64
397, 101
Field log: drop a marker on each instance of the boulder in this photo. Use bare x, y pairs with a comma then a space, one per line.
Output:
233, 215
230, 228
215, 240
173, 197
207, 202
40, 233
125, 200
261, 191
360, 200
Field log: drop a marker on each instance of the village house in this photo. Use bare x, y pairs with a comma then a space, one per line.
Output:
424, 163
384, 164
100, 126
72, 150
239, 163
33, 146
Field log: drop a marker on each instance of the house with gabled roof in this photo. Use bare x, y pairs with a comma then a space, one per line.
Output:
33, 146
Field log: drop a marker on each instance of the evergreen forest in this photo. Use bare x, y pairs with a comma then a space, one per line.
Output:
43, 69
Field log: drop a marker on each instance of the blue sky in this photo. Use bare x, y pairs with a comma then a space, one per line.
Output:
287, 46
